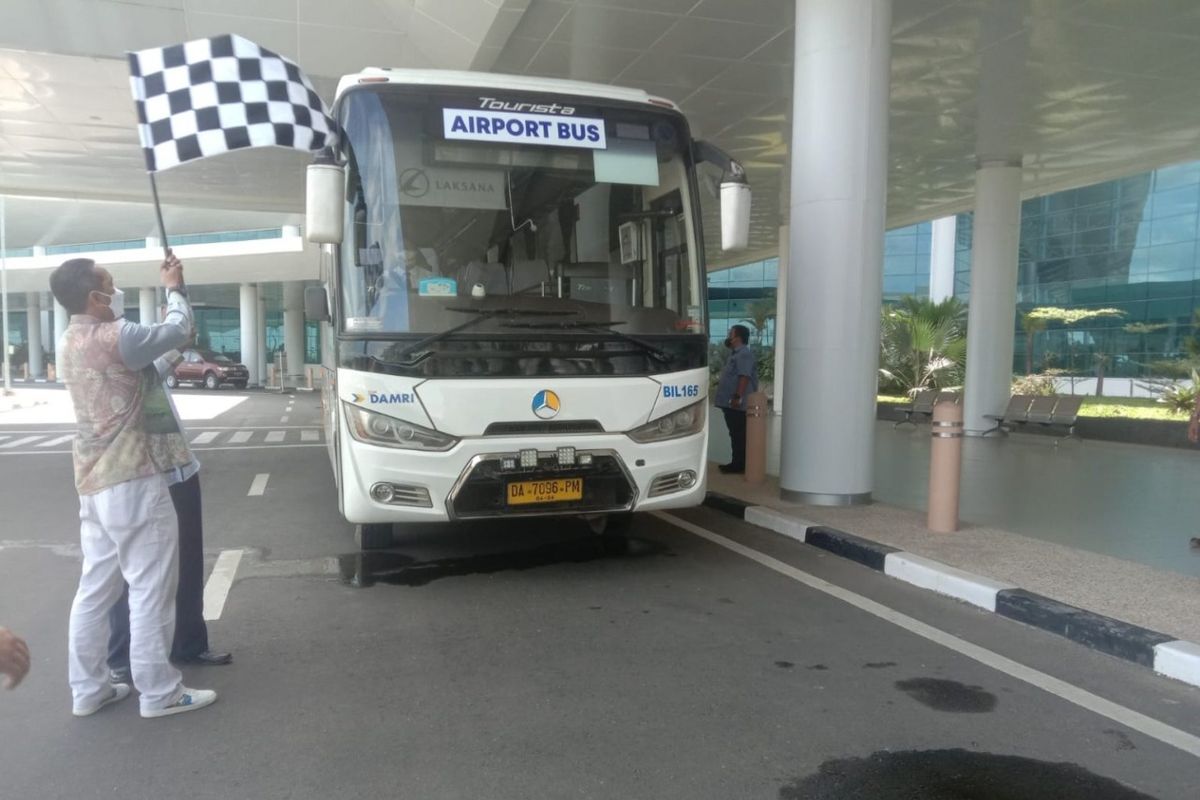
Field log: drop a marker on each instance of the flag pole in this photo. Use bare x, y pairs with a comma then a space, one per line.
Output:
162, 229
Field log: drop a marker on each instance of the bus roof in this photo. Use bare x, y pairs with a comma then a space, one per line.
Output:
495, 81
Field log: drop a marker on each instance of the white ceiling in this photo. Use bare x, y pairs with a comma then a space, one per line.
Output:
1083, 89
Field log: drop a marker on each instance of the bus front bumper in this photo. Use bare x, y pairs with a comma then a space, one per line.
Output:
573, 476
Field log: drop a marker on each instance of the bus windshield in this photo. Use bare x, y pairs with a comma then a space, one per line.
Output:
455, 213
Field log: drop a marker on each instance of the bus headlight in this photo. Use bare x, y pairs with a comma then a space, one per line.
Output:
675, 425
372, 428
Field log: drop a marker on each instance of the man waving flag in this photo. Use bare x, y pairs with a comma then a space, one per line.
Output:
209, 96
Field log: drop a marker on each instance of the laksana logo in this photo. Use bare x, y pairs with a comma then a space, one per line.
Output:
385, 398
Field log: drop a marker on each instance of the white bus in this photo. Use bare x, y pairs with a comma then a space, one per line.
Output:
513, 299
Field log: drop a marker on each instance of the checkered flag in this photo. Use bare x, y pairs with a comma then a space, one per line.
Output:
208, 96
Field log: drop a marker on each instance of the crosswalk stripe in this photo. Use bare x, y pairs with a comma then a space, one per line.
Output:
276, 436
241, 437
206, 437
58, 441
310, 436
20, 442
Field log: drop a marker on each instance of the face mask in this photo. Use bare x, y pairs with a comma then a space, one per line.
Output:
116, 303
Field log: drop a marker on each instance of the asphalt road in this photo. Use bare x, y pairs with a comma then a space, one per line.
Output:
527, 661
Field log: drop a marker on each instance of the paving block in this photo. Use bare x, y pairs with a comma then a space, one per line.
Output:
1179, 660
779, 521
944, 579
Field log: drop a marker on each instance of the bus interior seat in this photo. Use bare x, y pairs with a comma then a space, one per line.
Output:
528, 275
491, 275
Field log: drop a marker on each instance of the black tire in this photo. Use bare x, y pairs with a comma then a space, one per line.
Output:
374, 536
211, 381
172, 381
611, 524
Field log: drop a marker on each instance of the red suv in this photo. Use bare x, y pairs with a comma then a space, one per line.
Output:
209, 368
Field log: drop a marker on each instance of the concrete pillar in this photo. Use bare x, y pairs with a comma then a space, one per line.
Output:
293, 326
263, 358
941, 259
47, 327
781, 293
148, 305
61, 318
33, 324
996, 232
248, 306
835, 286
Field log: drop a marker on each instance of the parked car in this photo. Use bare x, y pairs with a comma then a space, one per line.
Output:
208, 368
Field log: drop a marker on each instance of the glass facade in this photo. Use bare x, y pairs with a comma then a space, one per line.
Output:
1131, 244
906, 261
744, 295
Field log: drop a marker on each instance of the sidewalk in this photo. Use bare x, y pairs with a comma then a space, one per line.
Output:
22, 398
1124, 591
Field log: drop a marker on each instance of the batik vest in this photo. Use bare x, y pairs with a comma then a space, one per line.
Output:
127, 429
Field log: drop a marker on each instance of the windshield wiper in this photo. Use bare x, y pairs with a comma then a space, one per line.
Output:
419, 348
604, 326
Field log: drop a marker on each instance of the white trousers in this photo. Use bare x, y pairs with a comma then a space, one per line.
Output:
127, 531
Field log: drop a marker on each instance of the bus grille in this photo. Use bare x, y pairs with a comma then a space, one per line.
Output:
483, 489
554, 427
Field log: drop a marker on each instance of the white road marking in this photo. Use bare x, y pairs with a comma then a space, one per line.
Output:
20, 442
206, 437
58, 441
1149, 726
216, 590
259, 485
240, 437
2, 438
276, 436
310, 436
240, 448
283, 420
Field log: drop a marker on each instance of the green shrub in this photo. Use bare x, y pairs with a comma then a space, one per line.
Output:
1180, 397
1039, 385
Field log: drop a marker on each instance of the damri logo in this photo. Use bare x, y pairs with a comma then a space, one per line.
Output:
546, 404
385, 398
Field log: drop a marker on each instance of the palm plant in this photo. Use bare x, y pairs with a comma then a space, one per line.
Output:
761, 313
923, 344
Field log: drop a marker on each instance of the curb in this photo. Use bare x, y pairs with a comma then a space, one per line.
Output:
1162, 653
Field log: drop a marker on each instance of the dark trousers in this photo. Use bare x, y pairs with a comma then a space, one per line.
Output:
735, 420
191, 633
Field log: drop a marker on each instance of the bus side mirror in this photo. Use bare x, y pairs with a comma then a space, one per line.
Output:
735, 194
325, 195
735, 215
316, 304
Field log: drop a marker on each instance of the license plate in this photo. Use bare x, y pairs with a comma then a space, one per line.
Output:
553, 491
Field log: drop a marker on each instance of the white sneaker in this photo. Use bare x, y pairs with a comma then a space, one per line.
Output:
119, 692
190, 700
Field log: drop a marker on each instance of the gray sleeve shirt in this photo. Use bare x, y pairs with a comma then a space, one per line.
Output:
143, 345
741, 363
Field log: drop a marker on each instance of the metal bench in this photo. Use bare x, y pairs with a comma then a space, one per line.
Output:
1045, 411
923, 403
1015, 413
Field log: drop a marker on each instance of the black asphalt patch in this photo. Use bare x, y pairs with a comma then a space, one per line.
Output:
952, 696
954, 775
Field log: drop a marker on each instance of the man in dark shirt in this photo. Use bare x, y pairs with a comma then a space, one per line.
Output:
739, 378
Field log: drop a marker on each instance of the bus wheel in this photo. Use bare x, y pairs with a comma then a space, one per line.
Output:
373, 536
613, 531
